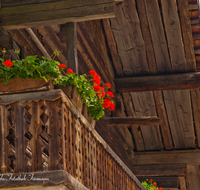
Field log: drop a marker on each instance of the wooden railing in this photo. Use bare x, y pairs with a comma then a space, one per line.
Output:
44, 131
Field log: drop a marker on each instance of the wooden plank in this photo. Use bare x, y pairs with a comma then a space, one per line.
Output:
20, 146
194, 21
160, 170
173, 33
153, 70
193, 177
3, 134
130, 44
131, 121
169, 157
113, 48
158, 36
193, 6
6, 42
182, 183
38, 43
64, 132
195, 97
181, 122
165, 182
187, 35
131, 48
196, 36
136, 131
158, 82
144, 106
22, 37
31, 15
50, 37
71, 39
95, 57
164, 126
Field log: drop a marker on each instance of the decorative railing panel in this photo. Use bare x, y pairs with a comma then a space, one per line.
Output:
43, 131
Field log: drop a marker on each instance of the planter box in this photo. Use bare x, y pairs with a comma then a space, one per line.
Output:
70, 91
24, 85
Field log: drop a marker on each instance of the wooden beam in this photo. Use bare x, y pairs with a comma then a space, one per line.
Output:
168, 157
50, 13
193, 6
193, 177
160, 170
194, 21
127, 121
182, 183
71, 39
158, 82
38, 43
195, 36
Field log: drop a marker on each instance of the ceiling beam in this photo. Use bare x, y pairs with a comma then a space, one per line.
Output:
50, 13
158, 82
193, 6
167, 157
161, 170
132, 121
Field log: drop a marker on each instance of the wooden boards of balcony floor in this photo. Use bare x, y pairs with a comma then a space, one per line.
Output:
22, 14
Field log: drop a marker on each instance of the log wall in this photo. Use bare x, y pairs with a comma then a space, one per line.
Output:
45, 135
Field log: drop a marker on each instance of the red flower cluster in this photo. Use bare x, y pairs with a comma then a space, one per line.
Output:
70, 71
108, 85
61, 65
155, 185
101, 91
8, 63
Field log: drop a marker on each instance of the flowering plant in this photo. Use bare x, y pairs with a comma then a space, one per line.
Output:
150, 185
96, 97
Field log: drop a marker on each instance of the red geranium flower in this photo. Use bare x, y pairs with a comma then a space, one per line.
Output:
102, 94
108, 85
96, 79
70, 71
92, 72
112, 106
96, 88
151, 180
154, 184
110, 94
161, 188
8, 63
61, 65
102, 88
106, 103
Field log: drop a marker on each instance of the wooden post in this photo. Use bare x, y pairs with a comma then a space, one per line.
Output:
71, 40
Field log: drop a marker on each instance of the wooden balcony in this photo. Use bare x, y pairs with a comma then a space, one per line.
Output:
43, 133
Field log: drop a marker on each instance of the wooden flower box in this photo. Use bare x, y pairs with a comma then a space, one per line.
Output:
28, 85
70, 91
24, 85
